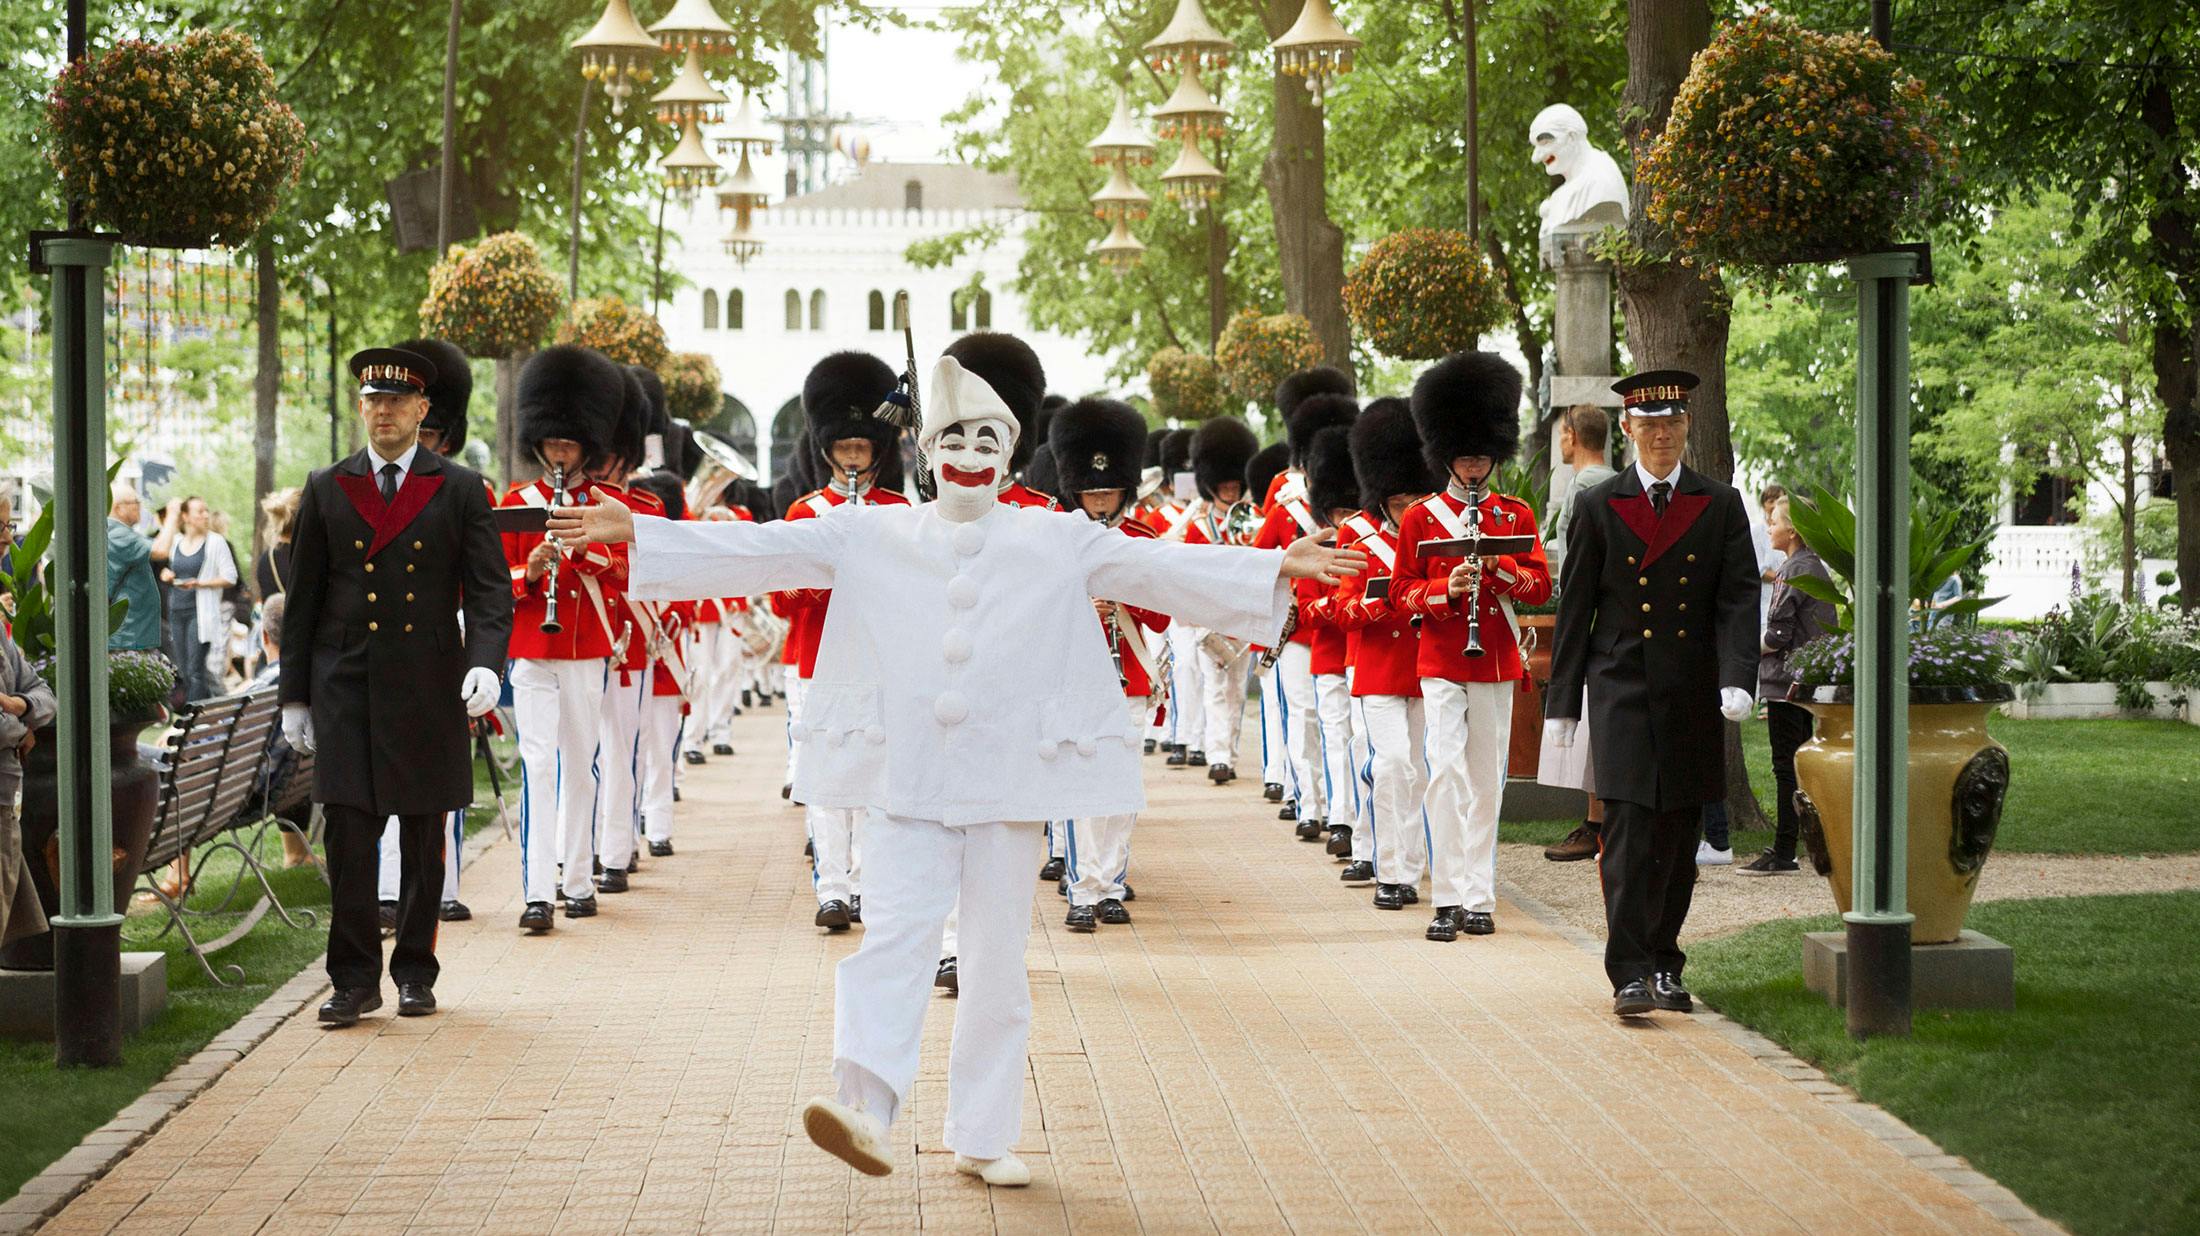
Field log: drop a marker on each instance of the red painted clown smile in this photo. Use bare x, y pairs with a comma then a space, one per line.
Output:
956, 476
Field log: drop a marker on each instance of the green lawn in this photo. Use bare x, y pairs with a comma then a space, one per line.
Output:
2083, 1100
2076, 787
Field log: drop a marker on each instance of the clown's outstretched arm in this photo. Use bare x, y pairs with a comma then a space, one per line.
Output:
685, 560
1242, 593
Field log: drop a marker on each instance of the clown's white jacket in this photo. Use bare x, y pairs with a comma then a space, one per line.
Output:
962, 676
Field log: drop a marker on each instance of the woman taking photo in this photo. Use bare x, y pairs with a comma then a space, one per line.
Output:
200, 566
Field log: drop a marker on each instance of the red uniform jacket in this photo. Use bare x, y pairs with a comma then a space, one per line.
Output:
633, 626
1017, 495
1383, 646
581, 635
1278, 529
1421, 586
804, 608
1136, 685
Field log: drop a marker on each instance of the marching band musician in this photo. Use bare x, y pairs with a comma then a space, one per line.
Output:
1467, 410
671, 662
392, 546
1187, 721
854, 448
1220, 450
569, 403
959, 695
1096, 449
1268, 464
1333, 492
626, 676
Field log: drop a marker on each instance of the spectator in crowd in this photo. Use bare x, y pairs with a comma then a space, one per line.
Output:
26, 703
13, 536
1716, 848
200, 567
130, 573
292, 823
279, 515
1796, 619
1583, 434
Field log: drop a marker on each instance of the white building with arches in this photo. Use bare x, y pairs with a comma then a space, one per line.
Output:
833, 275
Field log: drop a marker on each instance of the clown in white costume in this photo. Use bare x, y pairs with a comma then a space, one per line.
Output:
963, 693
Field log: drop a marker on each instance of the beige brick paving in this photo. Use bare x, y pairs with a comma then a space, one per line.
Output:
1259, 1052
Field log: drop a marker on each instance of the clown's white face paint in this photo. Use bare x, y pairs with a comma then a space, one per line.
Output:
969, 458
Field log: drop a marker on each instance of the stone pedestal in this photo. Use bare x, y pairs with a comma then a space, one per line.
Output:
1581, 328
27, 998
1970, 972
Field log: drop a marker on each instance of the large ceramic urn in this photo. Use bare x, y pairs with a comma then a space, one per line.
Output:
1524, 748
134, 791
1959, 777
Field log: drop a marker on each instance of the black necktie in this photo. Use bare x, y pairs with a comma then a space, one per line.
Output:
1658, 494
389, 484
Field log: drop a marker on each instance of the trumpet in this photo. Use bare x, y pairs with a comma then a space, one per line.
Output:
558, 497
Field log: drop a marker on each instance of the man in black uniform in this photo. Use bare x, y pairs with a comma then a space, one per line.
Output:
391, 546
1657, 614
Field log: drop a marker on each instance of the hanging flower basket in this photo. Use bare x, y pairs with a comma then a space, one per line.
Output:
1186, 385
175, 145
617, 329
495, 299
1257, 351
1423, 293
1786, 145
691, 386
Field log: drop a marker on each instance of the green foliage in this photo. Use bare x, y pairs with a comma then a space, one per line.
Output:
494, 299
138, 683
1422, 293
620, 331
692, 386
1944, 656
1186, 386
29, 594
1257, 351
1937, 550
2102, 639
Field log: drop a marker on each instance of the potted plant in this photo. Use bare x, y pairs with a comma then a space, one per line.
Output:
1957, 675
175, 145
1423, 293
1258, 350
692, 390
137, 689
494, 299
1187, 386
618, 330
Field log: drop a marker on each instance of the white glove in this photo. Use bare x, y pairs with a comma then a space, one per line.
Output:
1559, 732
298, 727
479, 691
1735, 704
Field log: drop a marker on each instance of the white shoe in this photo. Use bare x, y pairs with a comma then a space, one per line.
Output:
1006, 1172
1708, 857
855, 1138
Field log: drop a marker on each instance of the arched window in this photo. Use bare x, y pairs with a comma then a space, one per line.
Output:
710, 309
733, 309
984, 312
817, 309
901, 311
794, 309
912, 195
958, 309
878, 310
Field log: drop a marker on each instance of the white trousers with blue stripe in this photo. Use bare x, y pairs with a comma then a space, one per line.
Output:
554, 704
454, 840
619, 767
1100, 846
1399, 833
1469, 728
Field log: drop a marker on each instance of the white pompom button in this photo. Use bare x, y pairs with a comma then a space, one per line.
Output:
1048, 749
962, 592
969, 539
955, 646
950, 708
875, 735
1086, 746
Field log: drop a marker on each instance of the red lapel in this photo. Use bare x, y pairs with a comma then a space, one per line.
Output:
388, 520
1641, 518
366, 497
1681, 511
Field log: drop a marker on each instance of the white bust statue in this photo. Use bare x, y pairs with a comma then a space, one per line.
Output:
1593, 193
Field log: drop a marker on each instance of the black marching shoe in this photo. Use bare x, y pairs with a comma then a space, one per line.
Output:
1340, 840
1149, 747
1061, 887
536, 919
809, 851
1197, 759
1289, 810
1081, 918
386, 915
786, 790
660, 849
1177, 758
1390, 897
1272, 792
1129, 893
1221, 774
1410, 893
945, 978
455, 911
1358, 874
855, 909
1313, 830
1052, 872
1633, 1000
676, 793
584, 908
1668, 994
1111, 911
833, 915
692, 757
1444, 928
721, 748
415, 999
347, 1005
1478, 923
634, 864
611, 882
748, 699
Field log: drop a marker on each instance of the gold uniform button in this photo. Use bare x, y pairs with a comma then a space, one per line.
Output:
370, 598
374, 626
358, 544
1680, 635
408, 626
1630, 560
1684, 580
370, 568
1646, 607
1646, 633
408, 568
1644, 581
409, 596
1691, 557
1684, 604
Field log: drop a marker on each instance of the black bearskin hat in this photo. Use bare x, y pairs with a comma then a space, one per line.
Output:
1386, 453
1221, 448
1154, 439
1012, 369
1467, 404
449, 394
1097, 444
785, 491
1041, 476
1319, 380
660, 417
1259, 474
1314, 414
1331, 485
666, 488
568, 391
1176, 455
839, 396
626, 439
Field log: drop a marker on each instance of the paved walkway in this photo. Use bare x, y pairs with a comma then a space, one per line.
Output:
1260, 1052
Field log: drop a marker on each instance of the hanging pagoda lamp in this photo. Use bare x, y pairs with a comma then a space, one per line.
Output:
689, 169
617, 53
1193, 181
1119, 198
693, 25
1120, 250
1124, 138
690, 96
746, 129
1189, 40
1315, 48
1190, 110
742, 243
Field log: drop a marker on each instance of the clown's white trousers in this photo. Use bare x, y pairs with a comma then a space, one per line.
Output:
707, 672
555, 705
1100, 847
619, 767
797, 687
837, 858
1400, 830
1469, 726
880, 994
388, 882
1186, 722
1224, 705
660, 744
1275, 758
1302, 740
1337, 745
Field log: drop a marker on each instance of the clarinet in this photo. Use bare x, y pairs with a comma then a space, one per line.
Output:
855, 496
1474, 589
558, 498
